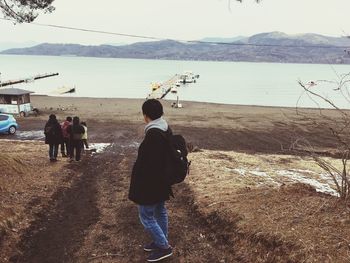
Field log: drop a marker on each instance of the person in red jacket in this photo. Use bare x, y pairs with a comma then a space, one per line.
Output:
65, 146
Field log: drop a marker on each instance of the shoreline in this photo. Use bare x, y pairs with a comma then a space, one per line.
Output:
187, 101
164, 59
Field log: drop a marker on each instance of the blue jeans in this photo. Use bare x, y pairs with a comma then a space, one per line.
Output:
53, 150
154, 218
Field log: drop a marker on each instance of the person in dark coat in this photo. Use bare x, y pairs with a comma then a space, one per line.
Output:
76, 131
53, 136
149, 187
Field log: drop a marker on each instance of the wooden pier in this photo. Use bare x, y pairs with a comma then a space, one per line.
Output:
168, 85
27, 80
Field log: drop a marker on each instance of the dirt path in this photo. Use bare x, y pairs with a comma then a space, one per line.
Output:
60, 227
93, 217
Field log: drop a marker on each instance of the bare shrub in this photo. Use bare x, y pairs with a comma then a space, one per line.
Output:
337, 120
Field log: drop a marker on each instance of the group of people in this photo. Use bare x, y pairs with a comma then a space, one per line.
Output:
71, 135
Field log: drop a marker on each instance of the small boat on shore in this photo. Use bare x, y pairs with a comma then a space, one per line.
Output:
188, 77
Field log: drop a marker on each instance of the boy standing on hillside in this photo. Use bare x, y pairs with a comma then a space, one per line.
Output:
149, 188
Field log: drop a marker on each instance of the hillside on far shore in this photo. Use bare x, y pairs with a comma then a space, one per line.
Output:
264, 47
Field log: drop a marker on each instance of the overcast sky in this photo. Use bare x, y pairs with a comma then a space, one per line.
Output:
184, 19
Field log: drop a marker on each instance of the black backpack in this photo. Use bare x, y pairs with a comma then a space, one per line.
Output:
177, 164
50, 130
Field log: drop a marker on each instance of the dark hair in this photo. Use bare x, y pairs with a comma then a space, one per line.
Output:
83, 123
153, 109
76, 120
52, 117
69, 119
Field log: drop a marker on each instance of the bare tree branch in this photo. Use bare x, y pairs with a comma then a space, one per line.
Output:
25, 10
323, 98
339, 130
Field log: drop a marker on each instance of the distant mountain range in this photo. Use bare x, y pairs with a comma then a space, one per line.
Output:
264, 47
7, 45
223, 39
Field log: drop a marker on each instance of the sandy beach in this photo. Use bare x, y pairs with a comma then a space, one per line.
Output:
249, 196
206, 125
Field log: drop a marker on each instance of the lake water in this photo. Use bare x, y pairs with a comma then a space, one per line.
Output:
268, 84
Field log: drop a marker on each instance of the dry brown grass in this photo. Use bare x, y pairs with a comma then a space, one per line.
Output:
270, 218
26, 178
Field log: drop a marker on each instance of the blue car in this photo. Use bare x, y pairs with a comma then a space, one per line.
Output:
8, 124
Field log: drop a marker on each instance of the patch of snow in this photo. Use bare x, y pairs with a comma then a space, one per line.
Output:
32, 135
16, 140
320, 187
302, 171
259, 173
99, 147
239, 171
131, 145
328, 178
266, 177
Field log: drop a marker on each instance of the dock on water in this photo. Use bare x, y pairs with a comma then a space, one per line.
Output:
161, 90
27, 80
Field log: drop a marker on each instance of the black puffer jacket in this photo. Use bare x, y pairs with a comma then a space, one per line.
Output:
53, 132
148, 184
